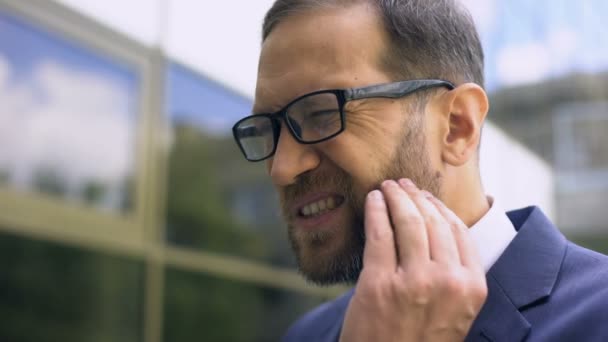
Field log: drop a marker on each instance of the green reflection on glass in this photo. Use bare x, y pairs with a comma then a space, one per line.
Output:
204, 308
216, 201
54, 293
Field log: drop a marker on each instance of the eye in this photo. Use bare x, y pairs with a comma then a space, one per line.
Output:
323, 116
323, 113
321, 123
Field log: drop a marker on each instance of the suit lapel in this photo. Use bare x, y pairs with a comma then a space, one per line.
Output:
523, 276
499, 319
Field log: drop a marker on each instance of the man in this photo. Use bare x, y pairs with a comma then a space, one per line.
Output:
368, 115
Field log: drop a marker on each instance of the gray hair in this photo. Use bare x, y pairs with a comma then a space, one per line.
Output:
427, 38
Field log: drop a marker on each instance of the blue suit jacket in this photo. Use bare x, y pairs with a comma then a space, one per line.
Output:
542, 288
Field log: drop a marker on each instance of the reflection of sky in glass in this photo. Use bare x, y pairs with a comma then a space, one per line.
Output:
197, 101
529, 41
67, 119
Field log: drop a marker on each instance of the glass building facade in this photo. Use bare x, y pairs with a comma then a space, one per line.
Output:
127, 213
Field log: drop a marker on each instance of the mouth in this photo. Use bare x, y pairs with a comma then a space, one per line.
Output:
318, 208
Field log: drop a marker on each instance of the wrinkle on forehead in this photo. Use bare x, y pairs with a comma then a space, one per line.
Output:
317, 50
274, 92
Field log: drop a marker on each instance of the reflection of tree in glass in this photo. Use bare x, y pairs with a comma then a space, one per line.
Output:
250, 199
197, 213
50, 181
54, 293
5, 176
93, 192
127, 190
97, 193
220, 203
205, 308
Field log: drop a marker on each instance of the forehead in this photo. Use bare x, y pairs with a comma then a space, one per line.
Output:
319, 49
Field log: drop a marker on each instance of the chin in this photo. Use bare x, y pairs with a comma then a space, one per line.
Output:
332, 257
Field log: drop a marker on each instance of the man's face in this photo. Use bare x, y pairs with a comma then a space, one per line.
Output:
322, 187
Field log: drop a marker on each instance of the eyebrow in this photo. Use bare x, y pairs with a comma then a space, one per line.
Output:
275, 108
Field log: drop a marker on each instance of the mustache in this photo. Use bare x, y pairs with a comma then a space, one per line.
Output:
338, 181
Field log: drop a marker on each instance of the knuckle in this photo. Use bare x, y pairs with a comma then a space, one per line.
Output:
479, 292
378, 232
370, 289
472, 290
380, 287
397, 287
411, 219
432, 220
395, 291
420, 290
454, 284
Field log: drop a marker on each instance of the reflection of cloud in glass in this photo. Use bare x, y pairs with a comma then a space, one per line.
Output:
70, 124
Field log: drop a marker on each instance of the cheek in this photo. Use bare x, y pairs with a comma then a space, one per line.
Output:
362, 160
433, 144
375, 140
370, 126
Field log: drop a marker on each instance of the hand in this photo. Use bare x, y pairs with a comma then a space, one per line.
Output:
422, 279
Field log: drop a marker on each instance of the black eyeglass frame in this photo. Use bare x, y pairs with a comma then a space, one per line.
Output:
384, 90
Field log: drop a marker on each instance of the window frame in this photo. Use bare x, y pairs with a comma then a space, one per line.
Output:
74, 221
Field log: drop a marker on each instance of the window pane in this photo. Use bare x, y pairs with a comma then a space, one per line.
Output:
205, 308
552, 98
55, 293
582, 145
67, 119
217, 201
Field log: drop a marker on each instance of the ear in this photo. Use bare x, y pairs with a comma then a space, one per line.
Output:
468, 106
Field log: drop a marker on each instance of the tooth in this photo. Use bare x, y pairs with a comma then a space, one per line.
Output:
322, 205
314, 208
330, 203
306, 210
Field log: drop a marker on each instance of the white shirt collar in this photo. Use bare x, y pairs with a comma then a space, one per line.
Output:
492, 234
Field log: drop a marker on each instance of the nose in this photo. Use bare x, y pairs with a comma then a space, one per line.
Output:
291, 159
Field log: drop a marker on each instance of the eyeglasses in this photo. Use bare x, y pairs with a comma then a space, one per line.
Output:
314, 117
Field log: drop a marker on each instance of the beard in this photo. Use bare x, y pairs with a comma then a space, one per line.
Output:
335, 254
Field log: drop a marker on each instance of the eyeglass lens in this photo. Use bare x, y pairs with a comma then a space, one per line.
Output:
311, 118
318, 117
256, 137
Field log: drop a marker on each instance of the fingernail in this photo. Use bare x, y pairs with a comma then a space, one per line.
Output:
389, 183
407, 183
376, 195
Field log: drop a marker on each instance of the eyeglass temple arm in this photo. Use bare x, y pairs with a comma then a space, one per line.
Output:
394, 90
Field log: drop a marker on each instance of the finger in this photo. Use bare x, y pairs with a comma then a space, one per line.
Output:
379, 250
410, 232
442, 244
469, 256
